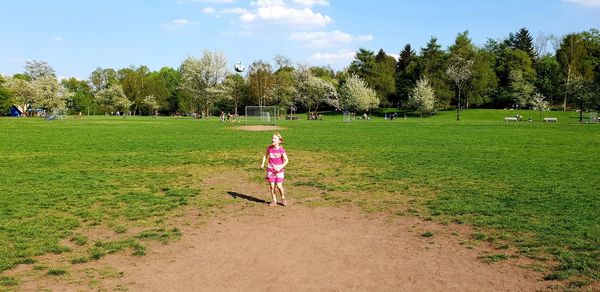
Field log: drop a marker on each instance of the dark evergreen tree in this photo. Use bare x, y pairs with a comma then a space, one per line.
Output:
406, 74
363, 64
524, 42
407, 55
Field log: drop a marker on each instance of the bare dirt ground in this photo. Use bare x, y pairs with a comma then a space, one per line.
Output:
259, 128
248, 246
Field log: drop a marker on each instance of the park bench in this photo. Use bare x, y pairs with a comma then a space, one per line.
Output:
511, 119
553, 120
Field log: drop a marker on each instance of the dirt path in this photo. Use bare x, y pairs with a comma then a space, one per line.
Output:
305, 249
251, 247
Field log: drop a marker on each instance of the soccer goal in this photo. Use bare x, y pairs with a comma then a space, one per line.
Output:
347, 117
593, 117
261, 115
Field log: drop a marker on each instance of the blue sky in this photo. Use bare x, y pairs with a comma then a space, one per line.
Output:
77, 36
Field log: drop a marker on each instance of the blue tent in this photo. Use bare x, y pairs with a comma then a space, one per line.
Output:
14, 112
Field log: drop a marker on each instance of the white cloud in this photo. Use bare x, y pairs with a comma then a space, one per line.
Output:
364, 38
236, 10
324, 39
311, 3
214, 1
177, 23
589, 3
209, 10
341, 56
238, 34
266, 3
280, 14
57, 39
247, 17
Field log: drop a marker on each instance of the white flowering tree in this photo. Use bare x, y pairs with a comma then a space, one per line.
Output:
422, 97
355, 95
538, 102
21, 92
49, 95
312, 91
459, 70
151, 103
114, 98
200, 78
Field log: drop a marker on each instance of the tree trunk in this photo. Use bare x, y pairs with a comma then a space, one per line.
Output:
568, 89
458, 106
581, 109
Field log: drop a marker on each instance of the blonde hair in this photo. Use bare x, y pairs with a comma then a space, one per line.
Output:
280, 137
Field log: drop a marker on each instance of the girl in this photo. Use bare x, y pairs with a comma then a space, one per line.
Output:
275, 169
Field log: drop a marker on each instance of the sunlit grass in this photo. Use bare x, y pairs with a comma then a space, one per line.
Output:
532, 185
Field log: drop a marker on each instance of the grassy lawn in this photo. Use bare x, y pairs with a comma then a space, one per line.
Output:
533, 186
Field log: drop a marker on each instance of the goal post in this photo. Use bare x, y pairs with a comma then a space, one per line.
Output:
261, 115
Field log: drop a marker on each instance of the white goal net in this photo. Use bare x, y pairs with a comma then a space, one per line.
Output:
261, 115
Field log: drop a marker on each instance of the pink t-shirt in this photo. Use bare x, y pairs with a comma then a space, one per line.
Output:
275, 158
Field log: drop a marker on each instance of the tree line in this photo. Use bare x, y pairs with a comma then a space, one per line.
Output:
515, 72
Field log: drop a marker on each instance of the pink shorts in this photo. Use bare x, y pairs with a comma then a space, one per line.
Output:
275, 177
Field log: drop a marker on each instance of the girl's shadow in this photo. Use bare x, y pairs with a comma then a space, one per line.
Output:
236, 195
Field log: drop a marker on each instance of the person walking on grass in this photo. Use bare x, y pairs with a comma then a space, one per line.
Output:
277, 160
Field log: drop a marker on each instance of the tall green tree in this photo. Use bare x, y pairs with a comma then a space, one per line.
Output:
134, 81
407, 73
384, 71
484, 84
511, 62
549, 78
363, 64
283, 90
171, 79
571, 56
260, 79
523, 41
433, 65
83, 97
233, 90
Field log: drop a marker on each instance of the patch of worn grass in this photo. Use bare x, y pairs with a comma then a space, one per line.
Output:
492, 258
79, 239
161, 235
57, 272
7, 281
102, 248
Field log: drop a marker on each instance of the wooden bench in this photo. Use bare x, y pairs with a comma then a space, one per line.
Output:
553, 120
511, 119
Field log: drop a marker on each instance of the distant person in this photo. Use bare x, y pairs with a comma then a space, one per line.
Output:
277, 160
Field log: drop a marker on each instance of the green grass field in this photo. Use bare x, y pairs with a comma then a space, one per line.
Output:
533, 186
